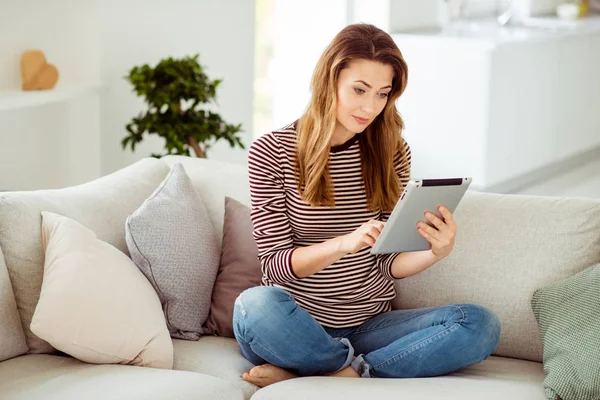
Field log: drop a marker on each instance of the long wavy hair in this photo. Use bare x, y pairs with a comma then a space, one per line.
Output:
378, 143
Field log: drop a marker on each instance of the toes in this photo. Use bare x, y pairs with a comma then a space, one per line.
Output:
251, 379
256, 372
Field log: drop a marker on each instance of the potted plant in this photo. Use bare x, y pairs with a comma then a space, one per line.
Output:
175, 92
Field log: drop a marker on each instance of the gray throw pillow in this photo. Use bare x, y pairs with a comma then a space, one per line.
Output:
171, 240
568, 313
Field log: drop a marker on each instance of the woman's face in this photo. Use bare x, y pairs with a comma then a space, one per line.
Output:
362, 93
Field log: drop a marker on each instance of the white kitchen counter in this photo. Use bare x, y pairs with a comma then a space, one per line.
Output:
505, 105
489, 31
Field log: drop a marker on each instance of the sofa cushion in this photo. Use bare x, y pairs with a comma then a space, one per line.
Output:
12, 338
568, 313
172, 241
213, 181
239, 268
507, 246
215, 356
95, 304
497, 378
101, 205
50, 377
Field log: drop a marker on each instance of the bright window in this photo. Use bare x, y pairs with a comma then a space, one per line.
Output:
290, 37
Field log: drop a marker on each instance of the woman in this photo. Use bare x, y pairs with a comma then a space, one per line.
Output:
318, 188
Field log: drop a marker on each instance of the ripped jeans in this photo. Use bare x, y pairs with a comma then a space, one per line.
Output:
271, 328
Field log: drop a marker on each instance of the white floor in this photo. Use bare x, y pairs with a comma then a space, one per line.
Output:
583, 181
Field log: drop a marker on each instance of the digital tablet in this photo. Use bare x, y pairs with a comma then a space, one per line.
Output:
400, 231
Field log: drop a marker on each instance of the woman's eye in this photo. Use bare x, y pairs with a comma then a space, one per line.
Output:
384, 95
359, 91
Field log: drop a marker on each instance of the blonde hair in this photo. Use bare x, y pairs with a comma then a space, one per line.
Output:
378, 143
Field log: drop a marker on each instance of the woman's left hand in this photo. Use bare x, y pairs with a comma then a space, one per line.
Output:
442, 236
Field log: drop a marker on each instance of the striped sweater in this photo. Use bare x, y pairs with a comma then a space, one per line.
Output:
356, 287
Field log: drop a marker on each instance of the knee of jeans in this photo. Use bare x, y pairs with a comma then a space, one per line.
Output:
487, 326
260, 300
455, 314
493, 326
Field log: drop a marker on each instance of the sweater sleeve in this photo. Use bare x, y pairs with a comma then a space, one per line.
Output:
271, 227
402, 167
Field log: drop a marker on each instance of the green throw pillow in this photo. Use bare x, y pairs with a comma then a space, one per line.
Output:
568, 313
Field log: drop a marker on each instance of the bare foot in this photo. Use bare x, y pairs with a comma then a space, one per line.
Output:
347, 372
267, 374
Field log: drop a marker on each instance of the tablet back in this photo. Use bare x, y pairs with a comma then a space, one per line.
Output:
400, 232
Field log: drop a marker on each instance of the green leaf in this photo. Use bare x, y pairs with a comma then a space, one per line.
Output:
163, 88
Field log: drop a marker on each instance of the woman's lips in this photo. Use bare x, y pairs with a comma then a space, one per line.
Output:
361, 121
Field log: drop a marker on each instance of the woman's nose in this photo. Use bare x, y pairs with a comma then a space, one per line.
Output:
368, 105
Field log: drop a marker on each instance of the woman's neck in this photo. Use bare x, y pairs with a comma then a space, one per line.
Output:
340, 135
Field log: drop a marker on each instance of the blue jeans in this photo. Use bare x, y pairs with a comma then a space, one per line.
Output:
271, 328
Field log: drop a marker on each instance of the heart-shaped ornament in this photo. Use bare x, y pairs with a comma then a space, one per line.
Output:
36, 73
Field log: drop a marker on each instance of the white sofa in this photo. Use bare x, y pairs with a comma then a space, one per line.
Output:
507, 246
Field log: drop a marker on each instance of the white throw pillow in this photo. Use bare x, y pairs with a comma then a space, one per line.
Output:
95, 304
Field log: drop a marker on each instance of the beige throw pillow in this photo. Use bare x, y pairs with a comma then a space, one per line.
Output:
95, 304
101, 205
12, 338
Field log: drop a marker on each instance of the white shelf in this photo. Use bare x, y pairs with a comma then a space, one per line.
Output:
18, 99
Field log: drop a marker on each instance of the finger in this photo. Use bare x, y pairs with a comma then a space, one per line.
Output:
434, 233
371, 230
427, 237
368, 240
374, 231
378, 224
448, 217
373, 235
435, 220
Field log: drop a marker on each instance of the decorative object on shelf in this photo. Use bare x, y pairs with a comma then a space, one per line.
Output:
572, 10
36, 72
175, 90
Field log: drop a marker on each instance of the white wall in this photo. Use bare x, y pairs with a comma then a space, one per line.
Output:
64, 29
94, 44
51, 144
137, 32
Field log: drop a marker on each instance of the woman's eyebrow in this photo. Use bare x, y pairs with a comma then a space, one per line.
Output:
370, 87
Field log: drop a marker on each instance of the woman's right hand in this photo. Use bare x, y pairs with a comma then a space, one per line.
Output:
364, 236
